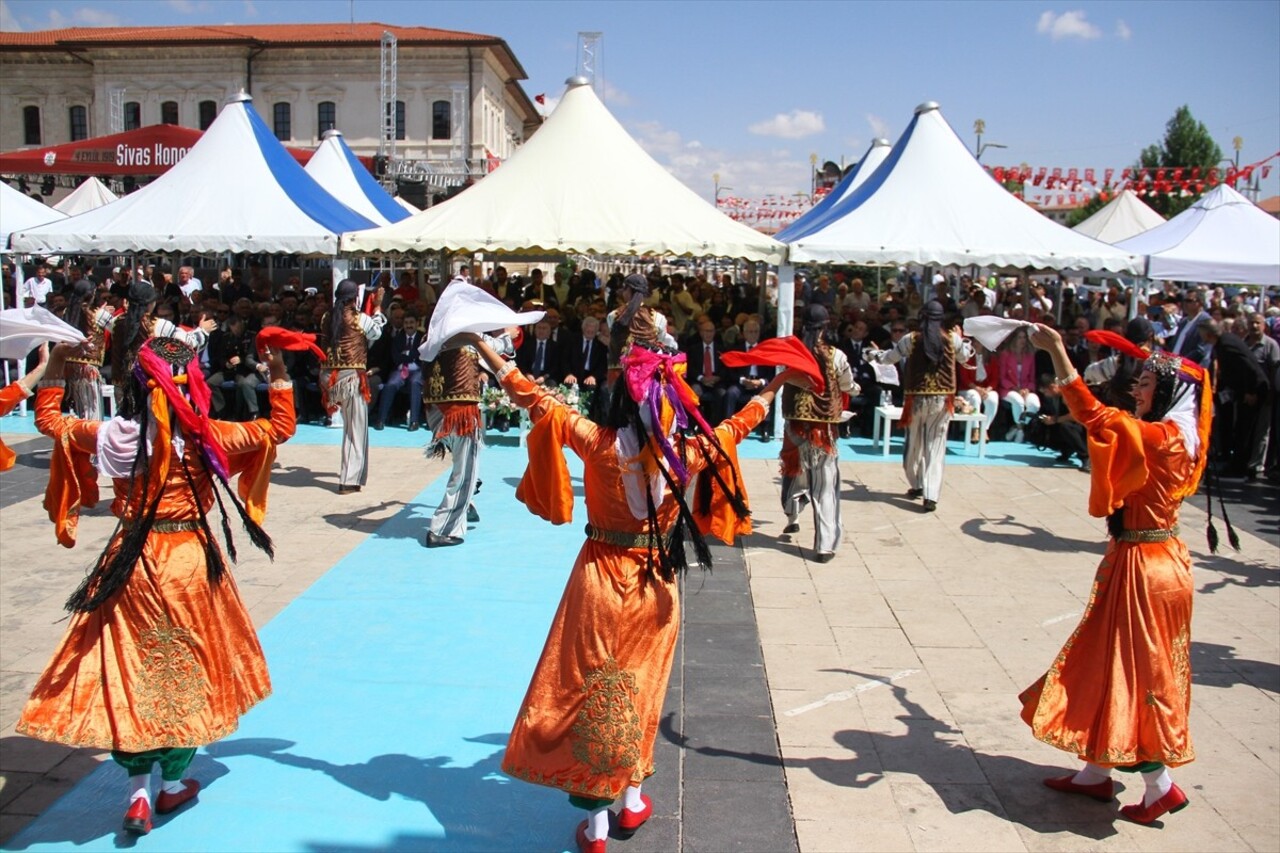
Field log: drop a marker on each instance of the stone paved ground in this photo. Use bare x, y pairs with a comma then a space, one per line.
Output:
887, 705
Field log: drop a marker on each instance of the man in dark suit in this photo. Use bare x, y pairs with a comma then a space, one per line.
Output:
1187, 342
586, 359
706, 372
746, 382
1240, 388
539, 357
404, 369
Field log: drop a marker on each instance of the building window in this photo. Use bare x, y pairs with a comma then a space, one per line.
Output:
79, 123
441, 120
132, 115
399, 119
169, 112
208, 112
282, 120
326, 116
31, 125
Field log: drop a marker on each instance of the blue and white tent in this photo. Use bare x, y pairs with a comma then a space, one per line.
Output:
931, 202
345, 178
236, 190
818, 216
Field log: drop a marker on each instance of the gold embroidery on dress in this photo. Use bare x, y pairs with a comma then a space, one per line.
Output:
607, 732
171, 685
435, 385
1182, 663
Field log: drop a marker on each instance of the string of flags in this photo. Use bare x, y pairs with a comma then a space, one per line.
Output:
1152, 181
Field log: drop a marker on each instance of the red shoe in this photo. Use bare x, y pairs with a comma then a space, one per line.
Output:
629, 821
137, 819
1103, 792
1173, 801
167, 802
587, 846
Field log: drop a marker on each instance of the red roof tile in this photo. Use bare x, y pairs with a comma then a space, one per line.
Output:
271, 34
1271, 205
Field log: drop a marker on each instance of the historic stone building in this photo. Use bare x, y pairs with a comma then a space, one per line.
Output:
458, 105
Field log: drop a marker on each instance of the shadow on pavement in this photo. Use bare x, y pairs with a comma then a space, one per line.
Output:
1235, 573
1007, 531
461, 799
1214, 665
959, 775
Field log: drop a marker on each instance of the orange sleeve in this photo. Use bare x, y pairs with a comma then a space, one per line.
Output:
10, 396
251, 449
73, 481
546, 488
722, 521
1117, 449
579, 433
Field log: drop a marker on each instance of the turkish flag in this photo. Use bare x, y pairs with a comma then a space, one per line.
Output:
541, 98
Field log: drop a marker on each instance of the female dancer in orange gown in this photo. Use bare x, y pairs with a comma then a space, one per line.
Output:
160, 656
1119, 692
588, 722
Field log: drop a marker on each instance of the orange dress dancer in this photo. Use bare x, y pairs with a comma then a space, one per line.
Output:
588, 722
1119, 692
160, 656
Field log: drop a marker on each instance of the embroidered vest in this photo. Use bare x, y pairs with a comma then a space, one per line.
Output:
923, 378
351, 350
94, 349
454, 377
801, 405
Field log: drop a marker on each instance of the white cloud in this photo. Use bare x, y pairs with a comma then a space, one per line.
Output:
250, 10
796, 124
1067, 25
8, 21
879, 127
184, 7
750, 173
615, 97
1123, 31
82, 17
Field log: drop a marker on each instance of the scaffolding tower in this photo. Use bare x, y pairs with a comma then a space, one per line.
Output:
591, 60
387, 92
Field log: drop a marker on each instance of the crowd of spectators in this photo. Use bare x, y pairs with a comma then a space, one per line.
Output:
709, 314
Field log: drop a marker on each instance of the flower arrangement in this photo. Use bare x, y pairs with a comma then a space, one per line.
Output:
500, 412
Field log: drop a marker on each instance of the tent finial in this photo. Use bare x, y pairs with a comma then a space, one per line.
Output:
333, 131
240, 97
576, 81
928, 106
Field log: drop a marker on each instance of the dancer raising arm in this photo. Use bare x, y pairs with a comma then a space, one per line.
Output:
1119, 692
588, 722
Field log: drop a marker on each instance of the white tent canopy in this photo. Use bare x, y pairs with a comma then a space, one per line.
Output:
90, 195
1123, 217
931, 202
19, 211
345, 178
816, 217
582, 185
236, 190
1223, 238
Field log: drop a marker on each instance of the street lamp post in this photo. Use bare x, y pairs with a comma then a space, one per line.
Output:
1237, 144
813, 174
979, 128
715, 177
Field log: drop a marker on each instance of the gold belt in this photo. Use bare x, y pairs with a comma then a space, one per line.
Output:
166, 525
625, 540
1158, 534
346, 367
97, 363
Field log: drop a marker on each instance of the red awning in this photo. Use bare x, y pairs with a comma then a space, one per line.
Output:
146, 151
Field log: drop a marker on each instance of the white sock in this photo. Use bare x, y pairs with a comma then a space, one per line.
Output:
173, 787
1092, 774
597, 824
631, 799
140, 788
1158, 784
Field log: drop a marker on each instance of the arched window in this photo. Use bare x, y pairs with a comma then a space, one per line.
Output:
169, 112
132, 115
282, 120
30, 125
79, 123
326, 116
441, 120
208, 112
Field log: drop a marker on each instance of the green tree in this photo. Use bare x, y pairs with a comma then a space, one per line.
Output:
1186, 144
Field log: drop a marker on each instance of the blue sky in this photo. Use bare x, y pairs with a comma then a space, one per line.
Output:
751, 89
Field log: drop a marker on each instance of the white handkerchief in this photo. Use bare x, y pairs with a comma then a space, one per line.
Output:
886, 374
991, 331
466, 308
24, 329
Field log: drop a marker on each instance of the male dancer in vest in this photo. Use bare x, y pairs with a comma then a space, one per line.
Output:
929, 387
347, 332
810, 458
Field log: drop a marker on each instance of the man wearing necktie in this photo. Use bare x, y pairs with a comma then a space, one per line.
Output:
588, 359
746, 382
705, 373
538, 357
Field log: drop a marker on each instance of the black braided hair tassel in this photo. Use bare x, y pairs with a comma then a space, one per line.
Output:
215, 565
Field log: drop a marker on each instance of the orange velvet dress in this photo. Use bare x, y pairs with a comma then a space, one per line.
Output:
170, 660
10, 396
1119, 692
588, 722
